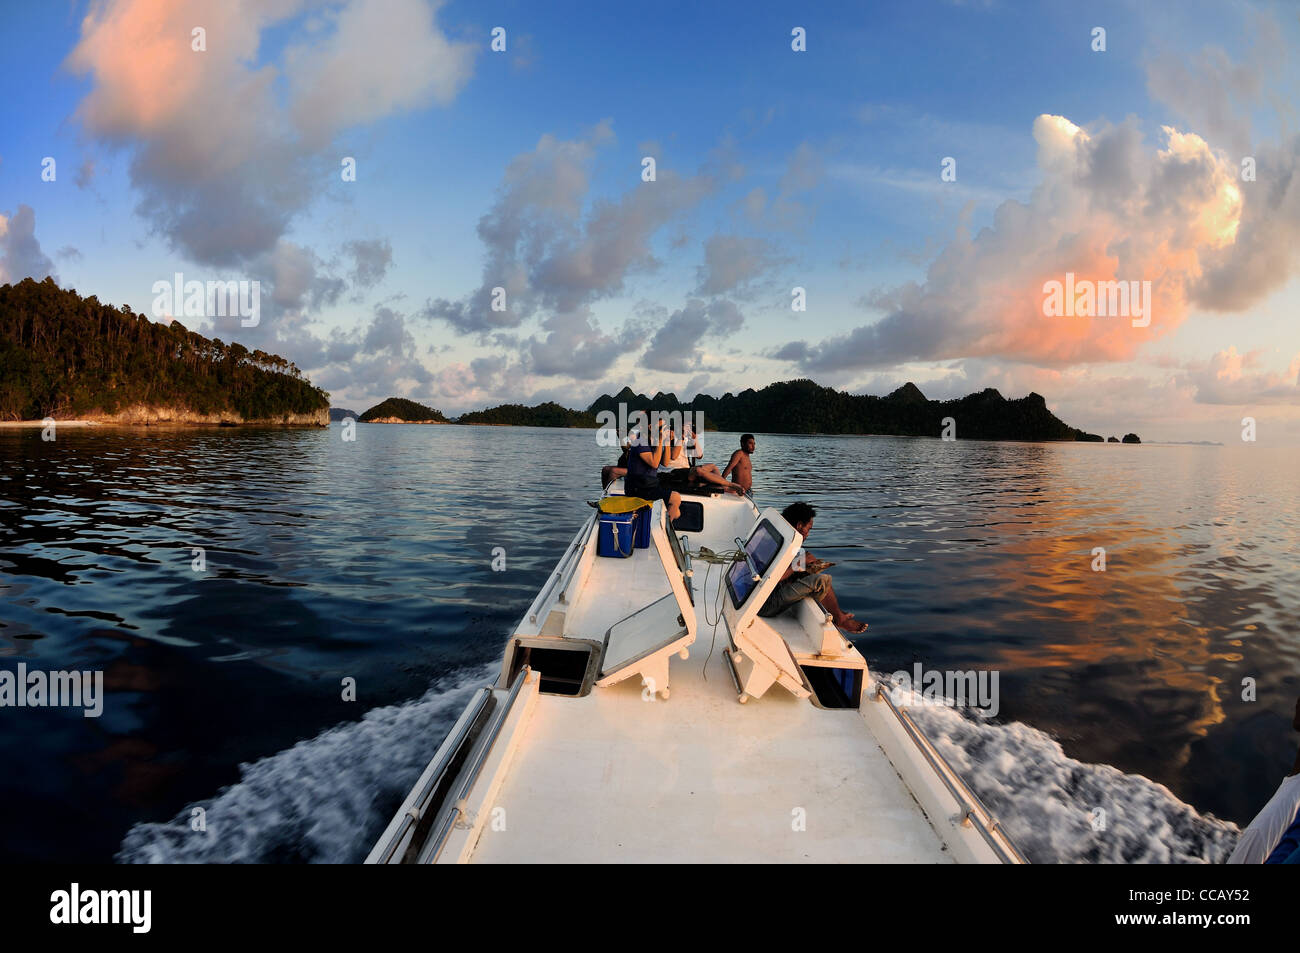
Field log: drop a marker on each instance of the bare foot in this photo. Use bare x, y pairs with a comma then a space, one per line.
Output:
849, 624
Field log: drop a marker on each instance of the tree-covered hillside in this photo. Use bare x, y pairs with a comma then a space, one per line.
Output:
803, 406
549, 414
401, 409
62, 355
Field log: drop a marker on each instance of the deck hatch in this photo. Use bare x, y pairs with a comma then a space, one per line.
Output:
835, 687
565, 667
641, 634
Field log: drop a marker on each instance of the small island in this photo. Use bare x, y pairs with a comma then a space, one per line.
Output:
549, 414
399, 410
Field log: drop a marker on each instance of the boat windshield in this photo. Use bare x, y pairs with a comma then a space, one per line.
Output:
763, 545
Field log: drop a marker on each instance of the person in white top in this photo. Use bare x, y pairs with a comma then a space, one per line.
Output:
676, 459
1262, 835
685, 475
694, 445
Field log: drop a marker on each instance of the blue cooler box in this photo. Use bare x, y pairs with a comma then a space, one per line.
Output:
615, 535
642, 537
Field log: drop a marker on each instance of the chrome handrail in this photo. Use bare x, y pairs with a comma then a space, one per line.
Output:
731, 668
967, 799
755, 575
455, 738
433, 846
560, 569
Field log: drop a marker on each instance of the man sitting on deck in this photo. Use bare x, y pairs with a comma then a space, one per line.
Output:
809, 580
739, 467
609, 474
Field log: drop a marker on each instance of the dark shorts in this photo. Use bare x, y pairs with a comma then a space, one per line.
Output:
647, 491
677, 479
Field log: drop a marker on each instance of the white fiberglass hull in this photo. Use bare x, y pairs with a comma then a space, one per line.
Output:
618, 772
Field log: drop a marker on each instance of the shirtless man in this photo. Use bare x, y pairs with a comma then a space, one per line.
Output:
739, 467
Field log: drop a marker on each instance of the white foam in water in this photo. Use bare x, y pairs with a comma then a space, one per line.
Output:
325, 800
1046, 800
320, 800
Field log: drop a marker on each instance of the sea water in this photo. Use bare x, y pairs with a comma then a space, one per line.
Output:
287, 623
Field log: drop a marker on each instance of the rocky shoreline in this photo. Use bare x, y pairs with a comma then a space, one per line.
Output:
141, 415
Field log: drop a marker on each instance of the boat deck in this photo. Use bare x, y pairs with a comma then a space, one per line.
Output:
628, 770
638, 581
700, 778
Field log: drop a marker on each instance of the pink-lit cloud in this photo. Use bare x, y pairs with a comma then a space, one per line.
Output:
222, 157
1108, 208
1241, 380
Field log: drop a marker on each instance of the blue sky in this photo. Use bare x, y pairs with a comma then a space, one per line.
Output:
817, 169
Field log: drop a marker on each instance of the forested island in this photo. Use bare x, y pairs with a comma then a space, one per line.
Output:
549, 414
399, 410
65, 356
805, 407
800, 406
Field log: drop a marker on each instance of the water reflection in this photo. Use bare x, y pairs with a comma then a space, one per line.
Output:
372, 560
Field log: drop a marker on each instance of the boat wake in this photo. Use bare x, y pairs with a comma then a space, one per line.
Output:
325, 800
1057, 810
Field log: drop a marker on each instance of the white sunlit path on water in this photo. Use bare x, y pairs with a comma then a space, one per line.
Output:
324, 800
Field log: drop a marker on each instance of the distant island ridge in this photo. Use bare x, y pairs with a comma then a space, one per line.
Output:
798, 406
71, 358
